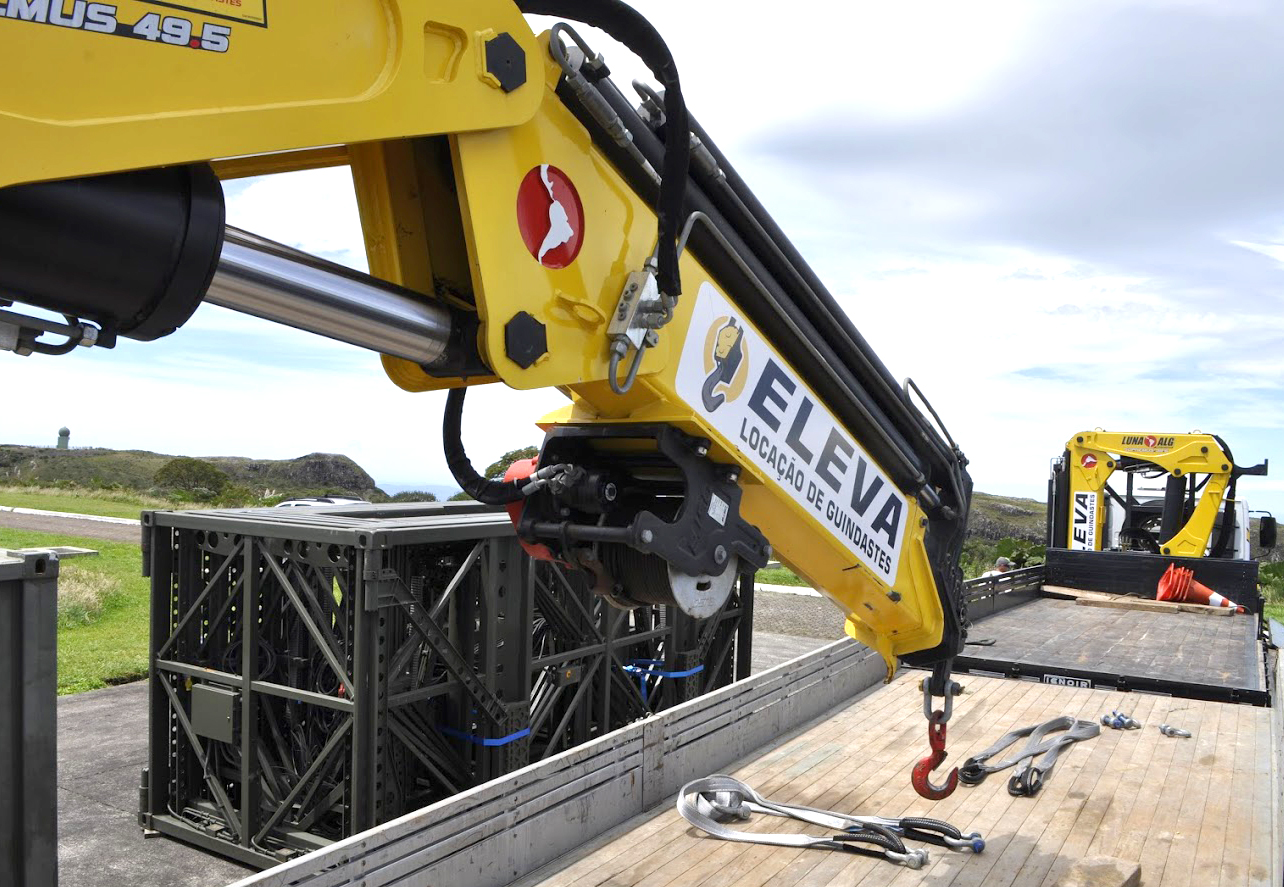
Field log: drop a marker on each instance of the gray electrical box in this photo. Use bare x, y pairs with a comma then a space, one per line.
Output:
214, 712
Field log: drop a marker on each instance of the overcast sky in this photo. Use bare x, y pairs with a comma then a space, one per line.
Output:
1053, 215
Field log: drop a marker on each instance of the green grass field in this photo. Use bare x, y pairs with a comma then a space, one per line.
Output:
779, 576
104, 503
111, 647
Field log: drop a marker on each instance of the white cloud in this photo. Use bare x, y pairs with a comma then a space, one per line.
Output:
1054, 216
314, 210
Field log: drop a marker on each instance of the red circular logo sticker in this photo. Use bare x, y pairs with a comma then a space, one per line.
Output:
550, 216
1089, 461
1151, 440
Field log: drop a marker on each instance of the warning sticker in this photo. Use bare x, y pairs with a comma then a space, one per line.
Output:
729, 376
253, 12
718, 508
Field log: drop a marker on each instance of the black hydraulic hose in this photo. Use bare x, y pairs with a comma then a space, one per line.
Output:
875, 375
628, 26
490, 492
1228, 518
1228, 511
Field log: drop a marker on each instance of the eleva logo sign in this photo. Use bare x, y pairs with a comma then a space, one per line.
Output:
726, 363
730, 376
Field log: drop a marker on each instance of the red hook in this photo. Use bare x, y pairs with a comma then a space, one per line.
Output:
922, 777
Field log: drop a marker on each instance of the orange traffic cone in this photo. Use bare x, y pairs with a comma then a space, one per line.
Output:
1178, 584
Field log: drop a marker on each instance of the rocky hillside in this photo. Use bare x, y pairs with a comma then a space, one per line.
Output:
136, 470
1004, 517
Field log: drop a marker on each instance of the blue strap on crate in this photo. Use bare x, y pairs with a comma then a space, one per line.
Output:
479, 740
649, 668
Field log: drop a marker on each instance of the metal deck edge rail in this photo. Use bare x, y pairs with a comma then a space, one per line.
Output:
1277, 770
507, 828
988, 595
28, 750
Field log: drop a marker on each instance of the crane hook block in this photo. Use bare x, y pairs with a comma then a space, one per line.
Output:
922, 775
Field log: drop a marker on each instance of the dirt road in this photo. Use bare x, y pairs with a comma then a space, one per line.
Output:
71, 526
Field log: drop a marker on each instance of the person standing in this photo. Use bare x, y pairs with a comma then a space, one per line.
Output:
1001, 566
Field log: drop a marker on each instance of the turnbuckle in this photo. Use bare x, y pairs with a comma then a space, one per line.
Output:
922, 776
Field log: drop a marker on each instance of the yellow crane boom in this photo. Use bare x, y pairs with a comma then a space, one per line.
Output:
524, 223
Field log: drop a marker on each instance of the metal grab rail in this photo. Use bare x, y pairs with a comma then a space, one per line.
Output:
988, 595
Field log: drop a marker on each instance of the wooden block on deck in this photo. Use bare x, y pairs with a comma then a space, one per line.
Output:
1101, 871
1131, 603
1078, 593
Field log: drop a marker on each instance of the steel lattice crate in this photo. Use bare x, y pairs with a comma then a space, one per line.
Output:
397, 654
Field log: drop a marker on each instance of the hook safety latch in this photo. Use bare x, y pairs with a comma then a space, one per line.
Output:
922, 776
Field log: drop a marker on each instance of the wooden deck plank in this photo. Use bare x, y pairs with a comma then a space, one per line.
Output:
1269, 795
815, 869
751, 864
853, 790
687, 848
1188, 810
608, 857
904, 801
1145, 745
979, 808
1157, 750
1236, 830
1072, 828
1008, 845
1047, 817
1152, 848
848, 790
1263, 861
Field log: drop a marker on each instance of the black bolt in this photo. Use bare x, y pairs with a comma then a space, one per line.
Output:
1203, 449
1078, 440
506, 61
525, 339
1225, 468
1110, 464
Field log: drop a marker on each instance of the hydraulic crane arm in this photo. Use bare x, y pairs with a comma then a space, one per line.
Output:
525, 222
1187, 520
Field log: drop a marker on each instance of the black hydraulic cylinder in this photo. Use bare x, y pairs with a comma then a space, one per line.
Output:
137, 252
1174, 506
132, 252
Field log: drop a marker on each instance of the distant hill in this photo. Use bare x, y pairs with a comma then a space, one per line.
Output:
136, 470
993, 517
1006, 517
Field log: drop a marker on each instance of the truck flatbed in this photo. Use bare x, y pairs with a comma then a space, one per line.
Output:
1204, 656
824, 731
1200, 811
